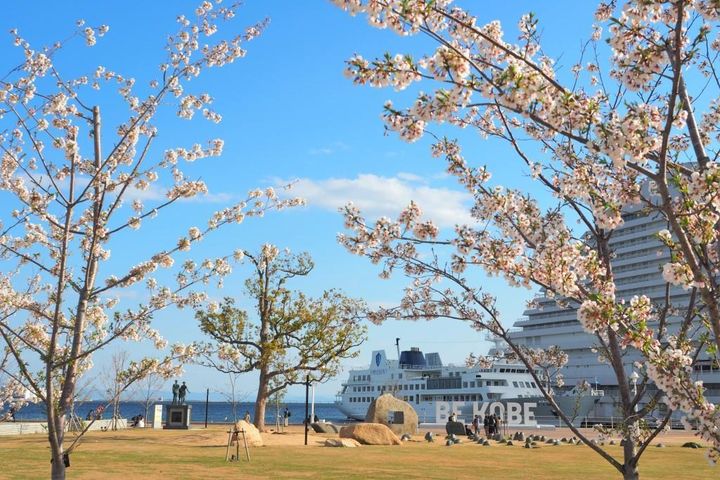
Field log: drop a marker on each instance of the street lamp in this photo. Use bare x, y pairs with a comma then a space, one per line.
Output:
634, 378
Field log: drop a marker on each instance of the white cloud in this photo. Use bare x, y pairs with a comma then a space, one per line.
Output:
377, 196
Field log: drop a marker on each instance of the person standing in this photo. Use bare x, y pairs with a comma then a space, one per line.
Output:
492, 425
486, 424
286, 416
476, 424
175, 390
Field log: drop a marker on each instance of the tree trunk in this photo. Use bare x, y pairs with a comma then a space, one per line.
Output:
57, 465
261, 401
630, 471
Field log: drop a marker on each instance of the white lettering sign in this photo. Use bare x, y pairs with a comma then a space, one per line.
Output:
514, 413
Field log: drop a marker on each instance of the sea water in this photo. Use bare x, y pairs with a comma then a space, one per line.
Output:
217, 412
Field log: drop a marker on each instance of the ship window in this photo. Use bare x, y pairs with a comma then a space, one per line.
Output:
533, 384
480, 397
472, 384
455, 398
515, 384
400, 375
422, 387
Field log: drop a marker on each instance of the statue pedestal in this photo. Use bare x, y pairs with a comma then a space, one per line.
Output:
178, 416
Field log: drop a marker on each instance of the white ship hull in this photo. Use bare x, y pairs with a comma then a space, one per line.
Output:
435, 391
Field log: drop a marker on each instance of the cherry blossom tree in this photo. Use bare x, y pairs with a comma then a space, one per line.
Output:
620, 130
293, 335
72, 187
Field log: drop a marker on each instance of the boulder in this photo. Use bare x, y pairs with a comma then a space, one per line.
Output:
324, 427
509, 443
252, 434
455, 428
398, 415
341, 442
691, 445
370, 434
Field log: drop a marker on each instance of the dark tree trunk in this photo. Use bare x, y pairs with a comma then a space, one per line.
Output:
261, 401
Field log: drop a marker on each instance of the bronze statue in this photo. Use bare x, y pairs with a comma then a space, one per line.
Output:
182, 391
175, 390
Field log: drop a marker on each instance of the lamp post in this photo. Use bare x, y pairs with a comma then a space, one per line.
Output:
634, 378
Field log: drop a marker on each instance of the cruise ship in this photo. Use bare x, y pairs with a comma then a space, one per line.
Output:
436, 390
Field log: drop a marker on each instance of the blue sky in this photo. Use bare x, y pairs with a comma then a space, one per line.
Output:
289, 113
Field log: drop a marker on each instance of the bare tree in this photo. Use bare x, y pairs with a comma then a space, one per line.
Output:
72, 187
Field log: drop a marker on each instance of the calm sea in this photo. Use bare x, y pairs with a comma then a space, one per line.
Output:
218, 412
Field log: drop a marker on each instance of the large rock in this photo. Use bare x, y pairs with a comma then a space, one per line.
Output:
370, 434
342, 442
324, 427
252, 434
455, 428
398, 415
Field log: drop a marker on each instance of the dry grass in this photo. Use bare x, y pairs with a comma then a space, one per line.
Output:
199, 454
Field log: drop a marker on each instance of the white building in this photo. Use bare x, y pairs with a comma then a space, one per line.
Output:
637, 266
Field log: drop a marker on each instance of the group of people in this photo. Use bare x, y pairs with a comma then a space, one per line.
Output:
490, 422
137, 421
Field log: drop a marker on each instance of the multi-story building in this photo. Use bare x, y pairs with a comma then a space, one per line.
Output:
637, 266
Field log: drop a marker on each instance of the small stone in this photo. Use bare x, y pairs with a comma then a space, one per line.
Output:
542, 438
556, 442
509, 443
549, 441
429, 437
486, 443
405, 437
449, 443
564, 440
521, 436
612, 442
527, 445
660, 445
457, 440
691, 445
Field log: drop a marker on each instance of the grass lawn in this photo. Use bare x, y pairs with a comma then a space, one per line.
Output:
199, 454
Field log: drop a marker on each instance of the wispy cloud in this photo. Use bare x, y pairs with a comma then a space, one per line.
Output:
377, 196
329, 149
